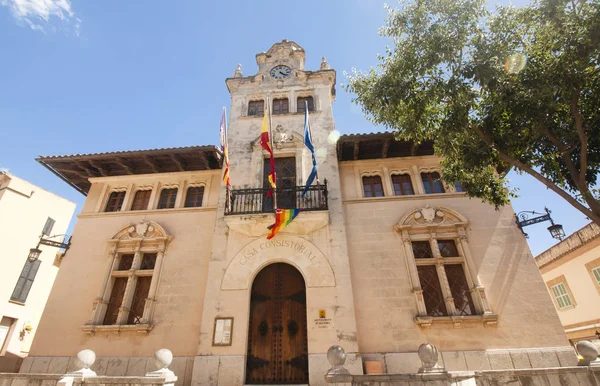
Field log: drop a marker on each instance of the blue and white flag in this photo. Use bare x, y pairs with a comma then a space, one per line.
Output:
311, 147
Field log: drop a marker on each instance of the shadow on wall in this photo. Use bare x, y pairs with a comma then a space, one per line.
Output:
505, 271
10, 363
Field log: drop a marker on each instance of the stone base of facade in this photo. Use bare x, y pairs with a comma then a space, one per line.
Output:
109, 366
229, 370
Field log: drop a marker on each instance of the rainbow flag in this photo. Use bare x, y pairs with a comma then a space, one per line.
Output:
282, 218
266, 144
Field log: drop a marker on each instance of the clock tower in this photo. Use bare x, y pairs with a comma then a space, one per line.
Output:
290, 297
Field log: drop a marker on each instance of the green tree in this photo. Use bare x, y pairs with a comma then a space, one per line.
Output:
514, 88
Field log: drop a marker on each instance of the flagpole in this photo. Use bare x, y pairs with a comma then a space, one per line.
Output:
273, 155
228, 182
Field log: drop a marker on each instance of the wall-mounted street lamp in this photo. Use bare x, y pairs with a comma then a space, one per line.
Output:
64, 242
523, 220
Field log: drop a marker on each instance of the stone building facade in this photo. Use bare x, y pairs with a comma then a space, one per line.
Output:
382, 258
571, 270
26, 212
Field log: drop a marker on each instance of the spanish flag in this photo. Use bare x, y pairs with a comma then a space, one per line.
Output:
266, 144
282, 218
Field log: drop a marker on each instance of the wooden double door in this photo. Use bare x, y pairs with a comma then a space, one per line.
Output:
277, 338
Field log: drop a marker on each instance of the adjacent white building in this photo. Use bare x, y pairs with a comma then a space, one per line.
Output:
26, 212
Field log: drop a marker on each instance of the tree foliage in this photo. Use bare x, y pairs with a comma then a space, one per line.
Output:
513, 88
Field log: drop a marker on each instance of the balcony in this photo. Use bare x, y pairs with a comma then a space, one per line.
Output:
255, 201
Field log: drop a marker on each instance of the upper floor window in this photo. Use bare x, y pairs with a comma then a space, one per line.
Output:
458, 187
596, 273
303, 102
194, 196
25, 281
402, 185
256, 108
167, 198
141, 200
561, 295
48, 226
372, 186
281, 106
115, 202
432, 183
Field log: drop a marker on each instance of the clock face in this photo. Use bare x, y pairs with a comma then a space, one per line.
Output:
280, 72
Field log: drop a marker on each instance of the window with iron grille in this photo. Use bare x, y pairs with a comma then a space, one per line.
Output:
431, 278
303, 101
432, 182
141, 200
194, 196
167, 198
115, 202
402, 185
372, 186
256, 108
25, 281
137, 272
281, 106
561, 295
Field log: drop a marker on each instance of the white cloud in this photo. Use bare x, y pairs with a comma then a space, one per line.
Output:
39, 14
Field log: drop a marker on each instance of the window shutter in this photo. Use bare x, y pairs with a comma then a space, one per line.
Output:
25, 281
48, 227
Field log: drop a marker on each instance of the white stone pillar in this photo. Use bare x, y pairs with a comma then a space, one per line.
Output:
439, 267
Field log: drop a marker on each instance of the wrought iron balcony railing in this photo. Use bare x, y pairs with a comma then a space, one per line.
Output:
253, 201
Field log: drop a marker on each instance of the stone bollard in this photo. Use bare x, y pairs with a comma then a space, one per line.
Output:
85, 360
429, 356
588, 351
337, 357
162, 360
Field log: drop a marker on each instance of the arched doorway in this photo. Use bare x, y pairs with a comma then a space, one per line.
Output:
277, 338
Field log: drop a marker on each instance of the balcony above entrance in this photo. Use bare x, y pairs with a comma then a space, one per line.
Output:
251, 212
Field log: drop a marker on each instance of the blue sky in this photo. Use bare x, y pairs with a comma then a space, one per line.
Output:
92, 76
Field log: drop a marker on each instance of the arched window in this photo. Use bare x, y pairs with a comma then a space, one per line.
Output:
256, 108
141, 200
115, 201
167, 198
127, 297
281, 106
194, 196
441, 268
432, 182
458, 187
302, 102
402, 185
372, 186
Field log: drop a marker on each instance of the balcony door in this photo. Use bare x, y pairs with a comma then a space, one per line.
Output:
285, 168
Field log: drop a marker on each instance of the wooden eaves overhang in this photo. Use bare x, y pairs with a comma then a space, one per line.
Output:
77, 169
352, 147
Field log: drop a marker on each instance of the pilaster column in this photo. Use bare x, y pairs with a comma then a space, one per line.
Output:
127, 198
477, 291
152, 202
413, 273
180, 194
101, 302
418, 182
151, 299
387, 182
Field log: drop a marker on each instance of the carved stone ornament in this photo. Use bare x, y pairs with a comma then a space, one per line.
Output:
429, 215
281, 137
324, 64
141, 229
238, 72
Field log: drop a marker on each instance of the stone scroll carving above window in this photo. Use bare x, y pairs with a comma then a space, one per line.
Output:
127, 296
441, 267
